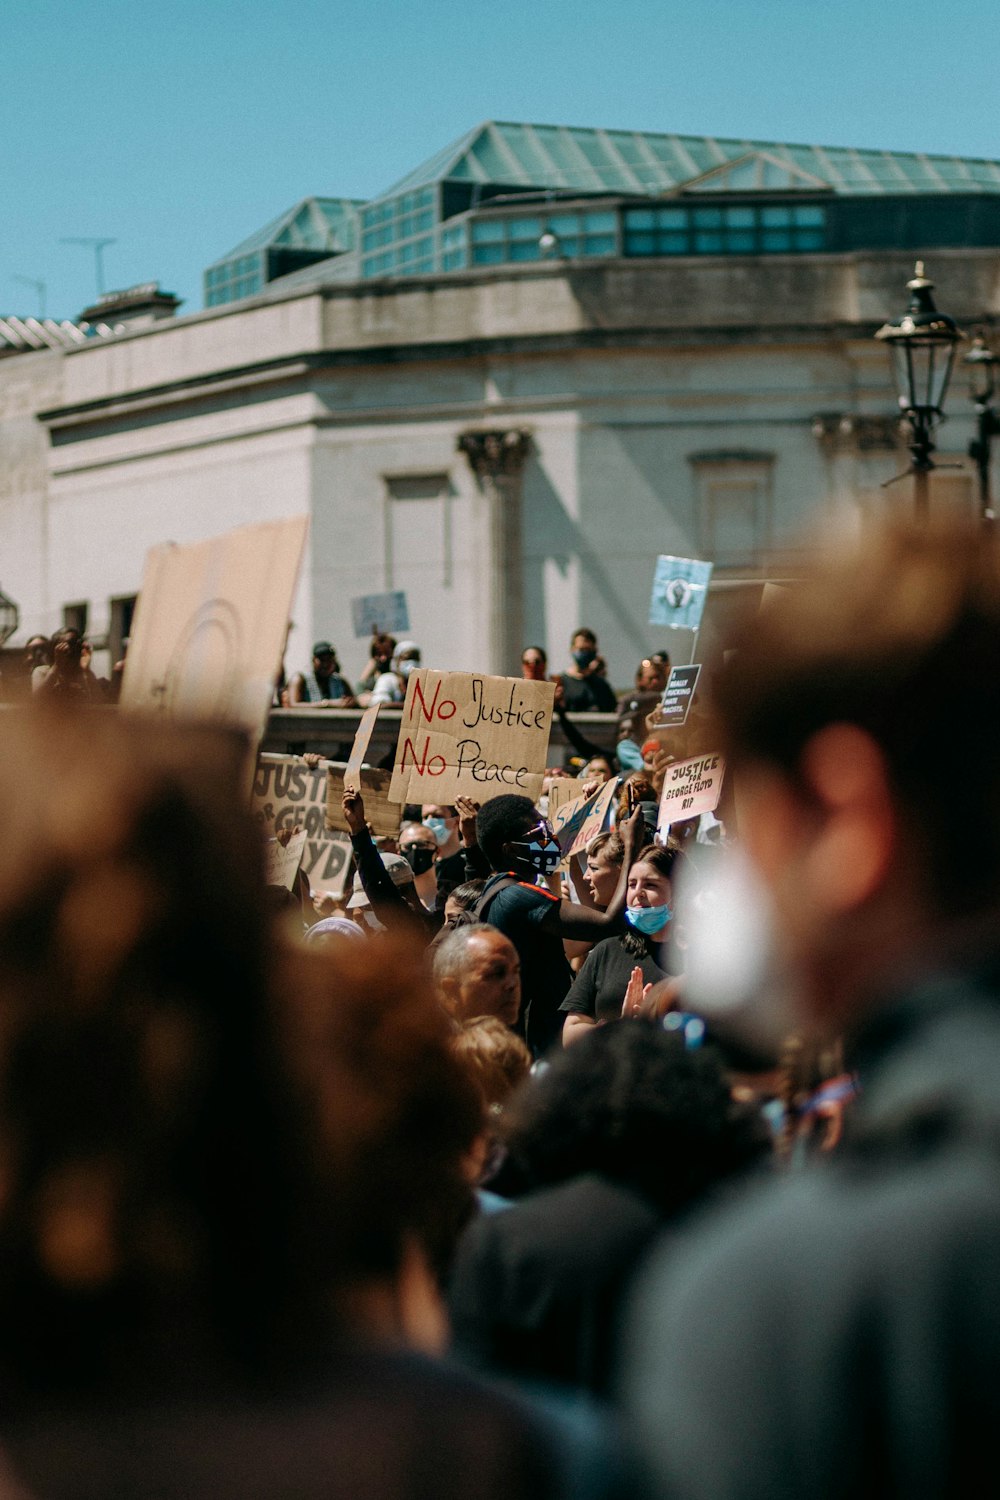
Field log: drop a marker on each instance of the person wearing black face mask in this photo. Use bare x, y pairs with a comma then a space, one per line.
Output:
521, 849
585, 690
418, 846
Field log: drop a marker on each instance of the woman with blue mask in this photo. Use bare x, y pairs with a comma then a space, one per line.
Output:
600, 989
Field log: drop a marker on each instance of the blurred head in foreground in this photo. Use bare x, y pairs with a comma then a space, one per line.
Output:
204, 1141
630, 1102
861, 714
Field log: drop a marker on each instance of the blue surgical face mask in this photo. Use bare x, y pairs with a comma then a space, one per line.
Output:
439, 828
648, 919
408, 666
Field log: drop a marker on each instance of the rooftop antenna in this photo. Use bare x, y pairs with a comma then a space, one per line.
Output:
98, 246
40, 288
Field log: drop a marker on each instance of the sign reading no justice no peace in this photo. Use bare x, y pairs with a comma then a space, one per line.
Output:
467, 735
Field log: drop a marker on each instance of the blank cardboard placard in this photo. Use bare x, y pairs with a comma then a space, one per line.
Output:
286, 794
467, 735
359, 749
210, 625
690, 788
381, 811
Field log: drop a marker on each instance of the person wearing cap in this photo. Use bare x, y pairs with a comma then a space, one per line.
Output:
323, 687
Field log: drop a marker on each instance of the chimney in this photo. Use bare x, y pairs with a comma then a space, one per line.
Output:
136, 307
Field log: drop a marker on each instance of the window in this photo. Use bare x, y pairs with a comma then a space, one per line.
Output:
733, 500
75, 617
736, 229
122, 611
419, 556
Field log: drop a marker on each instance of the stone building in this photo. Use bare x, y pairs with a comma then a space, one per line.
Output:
504, 386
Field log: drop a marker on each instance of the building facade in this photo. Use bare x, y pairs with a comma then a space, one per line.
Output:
512, 439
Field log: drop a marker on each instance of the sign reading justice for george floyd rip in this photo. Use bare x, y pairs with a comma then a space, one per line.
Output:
466, 735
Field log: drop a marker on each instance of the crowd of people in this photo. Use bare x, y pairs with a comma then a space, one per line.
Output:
489, 1180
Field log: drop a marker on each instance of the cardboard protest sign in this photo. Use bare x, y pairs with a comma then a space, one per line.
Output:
285, 793
680, 589
562, 789
381, 810
359, 749
677, 695
597, 814
568, 819
209, 627
283, 860
374, 612
691, 787
466, 735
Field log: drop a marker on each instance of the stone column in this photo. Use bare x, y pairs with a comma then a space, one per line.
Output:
496, 457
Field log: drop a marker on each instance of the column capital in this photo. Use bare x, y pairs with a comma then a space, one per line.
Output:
495, 453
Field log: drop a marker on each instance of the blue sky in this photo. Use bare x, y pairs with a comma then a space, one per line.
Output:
179, 129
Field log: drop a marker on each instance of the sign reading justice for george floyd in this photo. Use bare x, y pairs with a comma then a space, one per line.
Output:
466, 735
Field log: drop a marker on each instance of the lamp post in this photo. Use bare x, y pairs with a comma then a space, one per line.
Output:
981, 361
922, 343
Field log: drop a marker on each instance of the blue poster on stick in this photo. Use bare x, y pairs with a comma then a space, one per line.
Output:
680, 588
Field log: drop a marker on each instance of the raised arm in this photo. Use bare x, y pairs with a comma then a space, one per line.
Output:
569, 920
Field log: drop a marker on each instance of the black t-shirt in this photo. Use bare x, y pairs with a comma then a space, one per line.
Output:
518, 910
537, 1289
585, 695
599, 989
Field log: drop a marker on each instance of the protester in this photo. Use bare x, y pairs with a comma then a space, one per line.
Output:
229, 1170
323, 687
840, 1335
620, 971
478, 973
496, 1059
460, 903
534, 664
68, 680
619, 1136
419, 848
445, 824
37, 653
329, 931
650, 680
600, 768
585, 690
382, 651
520, 847
605, 856
384, 894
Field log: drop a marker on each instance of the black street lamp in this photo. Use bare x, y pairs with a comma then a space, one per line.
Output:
981, 361
923, 343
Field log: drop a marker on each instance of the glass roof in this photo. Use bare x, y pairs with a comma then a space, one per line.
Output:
313, 224
621, 161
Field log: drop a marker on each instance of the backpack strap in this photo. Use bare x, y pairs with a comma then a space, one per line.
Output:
488, 897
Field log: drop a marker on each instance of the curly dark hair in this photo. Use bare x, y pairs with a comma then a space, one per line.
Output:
500, 821
630, 1102
201, 1134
